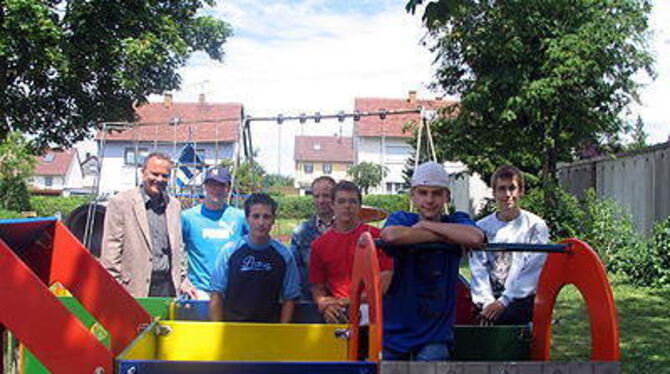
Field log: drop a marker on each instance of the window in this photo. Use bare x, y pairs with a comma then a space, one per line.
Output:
327, 168
389, 187
49, 157
48, 181
130, 159
308, 168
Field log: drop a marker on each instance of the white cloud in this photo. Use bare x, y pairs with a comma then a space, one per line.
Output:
654, 98
293, 58
304, 56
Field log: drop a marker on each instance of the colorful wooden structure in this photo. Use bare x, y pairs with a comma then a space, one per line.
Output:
35, 253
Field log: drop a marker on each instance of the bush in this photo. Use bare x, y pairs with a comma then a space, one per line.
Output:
659, 248
608, 228
302, 207
390, 203
4, 214
565, 222
296, 207
52, 205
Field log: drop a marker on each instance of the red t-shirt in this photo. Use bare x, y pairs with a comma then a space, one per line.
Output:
331, 259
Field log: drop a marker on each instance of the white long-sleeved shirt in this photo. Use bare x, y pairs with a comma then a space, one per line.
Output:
526, 266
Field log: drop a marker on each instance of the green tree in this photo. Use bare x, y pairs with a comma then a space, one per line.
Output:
17, 163
367, 175
65, 65
639, 136
538, 80
250, 176
277, 180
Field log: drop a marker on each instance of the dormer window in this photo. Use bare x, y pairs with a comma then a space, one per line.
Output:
49, 157
317, 147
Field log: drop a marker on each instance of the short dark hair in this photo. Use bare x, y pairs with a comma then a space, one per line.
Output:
158, 155
323, 178
259, 198
347, 186
508, 172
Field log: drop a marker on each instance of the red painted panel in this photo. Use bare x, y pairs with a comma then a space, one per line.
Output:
365, 278
43, 324
96, 290
582, 268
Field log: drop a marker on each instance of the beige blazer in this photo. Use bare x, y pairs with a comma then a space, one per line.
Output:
126, 243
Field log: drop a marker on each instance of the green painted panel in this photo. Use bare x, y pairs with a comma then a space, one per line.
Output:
492, 343
155, 306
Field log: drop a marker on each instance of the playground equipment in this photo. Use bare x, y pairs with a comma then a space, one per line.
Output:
35, 253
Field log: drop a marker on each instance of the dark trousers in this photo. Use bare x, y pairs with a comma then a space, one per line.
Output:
161, 285
518, 312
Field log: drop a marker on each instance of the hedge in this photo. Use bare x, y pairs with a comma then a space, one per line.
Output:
53, 205
302, 207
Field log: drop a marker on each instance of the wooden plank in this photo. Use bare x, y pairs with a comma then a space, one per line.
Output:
449, 367
394, 367
422, 367
607, 368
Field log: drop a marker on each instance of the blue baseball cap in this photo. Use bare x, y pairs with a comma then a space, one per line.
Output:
218, 174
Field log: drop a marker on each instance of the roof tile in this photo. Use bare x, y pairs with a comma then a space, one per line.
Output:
392, 125
324, 149
201, 122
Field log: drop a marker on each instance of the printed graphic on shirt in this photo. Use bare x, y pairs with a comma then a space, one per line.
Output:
249, 263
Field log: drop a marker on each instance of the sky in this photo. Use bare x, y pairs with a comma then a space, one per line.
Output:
289, 57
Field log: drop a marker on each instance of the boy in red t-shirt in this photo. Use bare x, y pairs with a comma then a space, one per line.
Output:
332, 255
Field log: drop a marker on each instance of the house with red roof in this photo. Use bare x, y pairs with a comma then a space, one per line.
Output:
321, 155
58, 172
212, 129
385, 140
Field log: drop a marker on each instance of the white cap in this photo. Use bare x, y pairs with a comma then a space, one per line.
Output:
430, 174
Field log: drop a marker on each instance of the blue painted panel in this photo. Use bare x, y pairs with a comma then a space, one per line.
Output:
202, 367
198, 310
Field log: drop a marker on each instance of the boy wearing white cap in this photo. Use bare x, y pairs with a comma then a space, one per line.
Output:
419, 305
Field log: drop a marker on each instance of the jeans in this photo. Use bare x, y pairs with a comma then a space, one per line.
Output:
429, 352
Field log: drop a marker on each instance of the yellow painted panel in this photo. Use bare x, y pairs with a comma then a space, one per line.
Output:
144, 347
219, 341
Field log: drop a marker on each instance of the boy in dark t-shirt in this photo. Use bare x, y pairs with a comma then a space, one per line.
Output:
255, 278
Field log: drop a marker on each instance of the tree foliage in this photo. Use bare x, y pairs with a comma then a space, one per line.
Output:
538, 80
67, 64
17, 163
367, 175
639, 136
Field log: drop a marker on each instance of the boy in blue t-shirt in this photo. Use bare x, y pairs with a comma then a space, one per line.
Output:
256, 278
419, 304
208, 227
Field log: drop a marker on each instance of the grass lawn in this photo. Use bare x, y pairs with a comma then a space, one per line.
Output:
644, 327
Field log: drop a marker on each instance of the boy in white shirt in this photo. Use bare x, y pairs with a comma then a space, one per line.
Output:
504, 283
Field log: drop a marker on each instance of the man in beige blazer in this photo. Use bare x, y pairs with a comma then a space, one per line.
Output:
141, 246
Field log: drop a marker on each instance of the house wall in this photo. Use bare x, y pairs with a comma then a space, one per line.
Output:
303, 181
74, 178
116, 176
391, 152
39, 181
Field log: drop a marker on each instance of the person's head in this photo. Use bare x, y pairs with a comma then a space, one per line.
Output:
430, 190
347, 201
216, 187
322, 192
260, 210
156, 173
508, 187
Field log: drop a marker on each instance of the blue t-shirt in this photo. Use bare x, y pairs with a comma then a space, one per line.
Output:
419, 305
205, 232
255, 279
